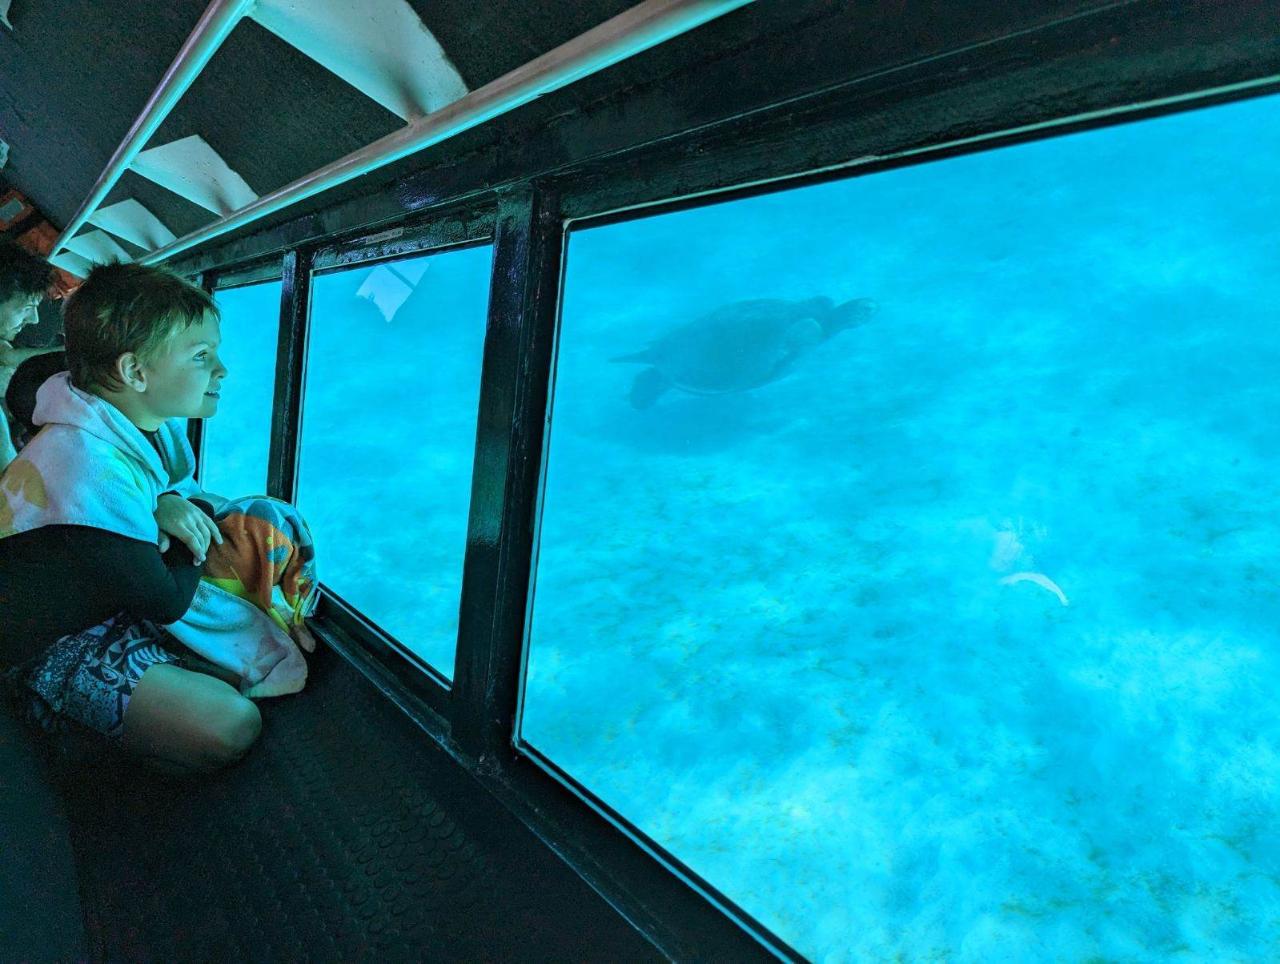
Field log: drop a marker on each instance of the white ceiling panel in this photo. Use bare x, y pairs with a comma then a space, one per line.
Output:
380, 47
97, 246
70, 261
193, 169
133, 222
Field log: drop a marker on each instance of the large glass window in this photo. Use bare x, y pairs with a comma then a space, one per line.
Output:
236, 443
943, 629
388, 437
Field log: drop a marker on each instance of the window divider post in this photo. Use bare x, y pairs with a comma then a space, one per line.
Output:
286, 406
514, 391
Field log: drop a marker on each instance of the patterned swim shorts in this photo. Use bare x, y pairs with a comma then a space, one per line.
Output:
86, 679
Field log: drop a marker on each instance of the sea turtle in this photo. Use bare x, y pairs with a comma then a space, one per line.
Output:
739, 346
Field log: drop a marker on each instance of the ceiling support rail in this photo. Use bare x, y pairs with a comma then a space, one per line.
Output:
216, 23
643, 26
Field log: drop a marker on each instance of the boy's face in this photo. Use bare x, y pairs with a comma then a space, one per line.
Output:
184, 378
16, 313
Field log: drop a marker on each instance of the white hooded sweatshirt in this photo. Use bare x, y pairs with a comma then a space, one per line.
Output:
90, 466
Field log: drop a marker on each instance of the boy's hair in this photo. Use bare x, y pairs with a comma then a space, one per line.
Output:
126, 308
21, 272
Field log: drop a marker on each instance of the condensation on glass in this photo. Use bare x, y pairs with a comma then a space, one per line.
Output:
939, 624
388, 436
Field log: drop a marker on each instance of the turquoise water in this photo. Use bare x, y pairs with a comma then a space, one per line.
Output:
237, 441
389, 435
956, 641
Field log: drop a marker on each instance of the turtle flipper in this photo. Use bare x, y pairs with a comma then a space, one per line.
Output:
648, 386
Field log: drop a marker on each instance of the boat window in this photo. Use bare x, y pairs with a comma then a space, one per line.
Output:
236, 442
907, 555
388, 436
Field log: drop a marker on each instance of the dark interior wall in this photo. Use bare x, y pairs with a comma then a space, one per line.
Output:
73, 76
486, 40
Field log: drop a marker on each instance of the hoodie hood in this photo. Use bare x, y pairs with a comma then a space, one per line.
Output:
58, 402
89, 465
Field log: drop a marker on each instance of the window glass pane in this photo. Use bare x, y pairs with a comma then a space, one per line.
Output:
946, 632
237, 441
388, 437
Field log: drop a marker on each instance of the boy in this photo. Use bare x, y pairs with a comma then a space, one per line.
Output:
24, 278
87, 565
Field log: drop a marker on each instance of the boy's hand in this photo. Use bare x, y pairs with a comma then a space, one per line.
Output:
179, 518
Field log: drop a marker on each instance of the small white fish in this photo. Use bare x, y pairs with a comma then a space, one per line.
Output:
1040, 579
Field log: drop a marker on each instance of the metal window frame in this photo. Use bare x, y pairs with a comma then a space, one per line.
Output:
526, 772
475, 715
477, 723
412, 235
244, 276
437, 232
535, 784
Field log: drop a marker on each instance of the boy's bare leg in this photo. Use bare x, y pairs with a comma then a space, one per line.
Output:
180, 722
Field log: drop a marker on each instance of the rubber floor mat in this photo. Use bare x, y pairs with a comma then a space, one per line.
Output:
344, 835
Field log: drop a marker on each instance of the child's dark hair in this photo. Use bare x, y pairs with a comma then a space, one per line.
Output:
21, 272
126, 308
20, 396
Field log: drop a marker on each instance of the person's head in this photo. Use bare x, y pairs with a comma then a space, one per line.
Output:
147, 341
24, 278
20, 396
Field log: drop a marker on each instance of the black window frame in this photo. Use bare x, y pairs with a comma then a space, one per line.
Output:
468, 227
821, 137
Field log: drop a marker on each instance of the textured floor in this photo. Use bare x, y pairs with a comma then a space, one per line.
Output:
345, 835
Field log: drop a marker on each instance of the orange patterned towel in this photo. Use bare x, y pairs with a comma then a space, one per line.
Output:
265, 544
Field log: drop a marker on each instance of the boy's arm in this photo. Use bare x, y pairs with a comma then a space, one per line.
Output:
131, 575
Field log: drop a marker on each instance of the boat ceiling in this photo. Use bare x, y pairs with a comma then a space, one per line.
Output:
75, 74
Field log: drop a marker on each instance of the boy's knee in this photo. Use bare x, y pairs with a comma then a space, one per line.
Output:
237, 730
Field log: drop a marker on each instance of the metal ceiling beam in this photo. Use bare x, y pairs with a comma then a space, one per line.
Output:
643, 26
216, 23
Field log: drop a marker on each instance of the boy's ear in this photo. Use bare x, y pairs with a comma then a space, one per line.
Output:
129, 370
